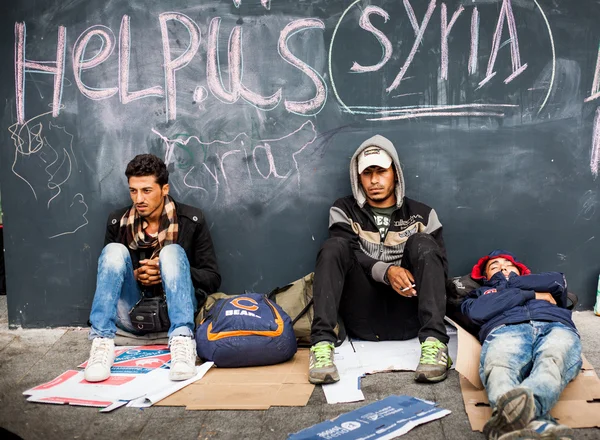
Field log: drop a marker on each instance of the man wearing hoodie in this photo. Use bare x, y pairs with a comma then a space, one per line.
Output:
382, 269
531, 349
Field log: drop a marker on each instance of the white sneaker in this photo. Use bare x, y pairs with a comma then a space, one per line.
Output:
183, 358
102, 356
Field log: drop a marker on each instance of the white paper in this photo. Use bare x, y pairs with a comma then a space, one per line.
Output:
354, 359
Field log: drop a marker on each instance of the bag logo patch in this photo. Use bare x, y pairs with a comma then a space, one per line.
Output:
236, 303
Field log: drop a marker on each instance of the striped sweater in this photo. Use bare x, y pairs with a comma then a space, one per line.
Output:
350, 221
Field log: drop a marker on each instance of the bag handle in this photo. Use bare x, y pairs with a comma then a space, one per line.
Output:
277, 290
302, 312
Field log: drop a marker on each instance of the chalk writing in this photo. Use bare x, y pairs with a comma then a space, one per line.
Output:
233, 168
83, 62
365, 23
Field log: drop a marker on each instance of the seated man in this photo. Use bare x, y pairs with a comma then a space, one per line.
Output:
531, 349
152, 247
383, 268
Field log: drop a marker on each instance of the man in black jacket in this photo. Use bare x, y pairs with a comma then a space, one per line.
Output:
383, 268
155, 246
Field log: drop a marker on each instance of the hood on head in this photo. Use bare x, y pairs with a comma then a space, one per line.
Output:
478, 271
386, 145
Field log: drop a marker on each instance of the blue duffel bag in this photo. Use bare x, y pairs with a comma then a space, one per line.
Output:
245, 330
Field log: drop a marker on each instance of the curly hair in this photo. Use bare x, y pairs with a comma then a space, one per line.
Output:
148, 165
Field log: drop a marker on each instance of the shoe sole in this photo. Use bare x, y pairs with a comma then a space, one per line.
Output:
515, 410
559, 434
522, 434
94, 380
181, 376
329, 378
421, 377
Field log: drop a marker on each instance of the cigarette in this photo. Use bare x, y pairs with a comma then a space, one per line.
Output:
407, 288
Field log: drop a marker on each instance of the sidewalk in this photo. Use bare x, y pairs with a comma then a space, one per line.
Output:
31, 357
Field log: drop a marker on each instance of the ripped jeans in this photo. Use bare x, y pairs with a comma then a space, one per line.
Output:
117, 291
541, 356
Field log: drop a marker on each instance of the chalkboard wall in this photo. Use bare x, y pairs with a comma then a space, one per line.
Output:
257, 106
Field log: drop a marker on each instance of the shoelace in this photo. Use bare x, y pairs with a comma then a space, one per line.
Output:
429, 352
180, 351
322, 354
100, 353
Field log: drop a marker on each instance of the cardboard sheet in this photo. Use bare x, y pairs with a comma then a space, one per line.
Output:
578, 406
249, 388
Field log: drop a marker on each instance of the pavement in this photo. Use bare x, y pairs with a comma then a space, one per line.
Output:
34, 356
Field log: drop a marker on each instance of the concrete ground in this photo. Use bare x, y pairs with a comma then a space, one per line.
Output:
32, 357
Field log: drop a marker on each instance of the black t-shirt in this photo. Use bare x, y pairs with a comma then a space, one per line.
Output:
382, 218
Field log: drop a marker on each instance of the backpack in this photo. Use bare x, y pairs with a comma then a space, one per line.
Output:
297, 300
243, 331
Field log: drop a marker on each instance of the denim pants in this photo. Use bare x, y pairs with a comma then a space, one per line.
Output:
541, 356
117, 291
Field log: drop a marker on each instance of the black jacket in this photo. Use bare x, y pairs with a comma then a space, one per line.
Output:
193, 237
348, 220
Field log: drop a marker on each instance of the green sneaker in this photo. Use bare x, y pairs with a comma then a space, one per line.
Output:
321, 368
434, 363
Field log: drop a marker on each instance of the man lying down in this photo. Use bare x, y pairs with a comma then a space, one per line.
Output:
530, 347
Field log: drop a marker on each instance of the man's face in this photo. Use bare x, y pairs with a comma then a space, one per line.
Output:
500, 265
379, 185
147, 195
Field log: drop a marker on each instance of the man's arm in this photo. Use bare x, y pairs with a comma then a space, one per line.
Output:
434, 228
205, 272
554, 283
112, 229
480, 307
341, 226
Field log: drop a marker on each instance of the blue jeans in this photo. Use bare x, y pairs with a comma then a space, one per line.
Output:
117, 291
541, 356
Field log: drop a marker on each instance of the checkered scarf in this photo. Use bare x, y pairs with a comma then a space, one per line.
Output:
134, 225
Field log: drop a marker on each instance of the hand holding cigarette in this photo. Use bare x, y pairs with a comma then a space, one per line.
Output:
402, 281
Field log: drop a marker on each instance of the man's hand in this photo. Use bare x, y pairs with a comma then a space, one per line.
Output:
545, 296
148, 274
402, 281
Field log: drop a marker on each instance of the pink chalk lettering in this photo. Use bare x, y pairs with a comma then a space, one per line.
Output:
124, 55
272, 170
420, 30
474, 41
366, 24
446, 28
266, 3
411, 16
80, 63
437, 114
506, 13
314, 105
595, 157
23, 65
173, 65
213, 75
235, 60
221, 163
595, 93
